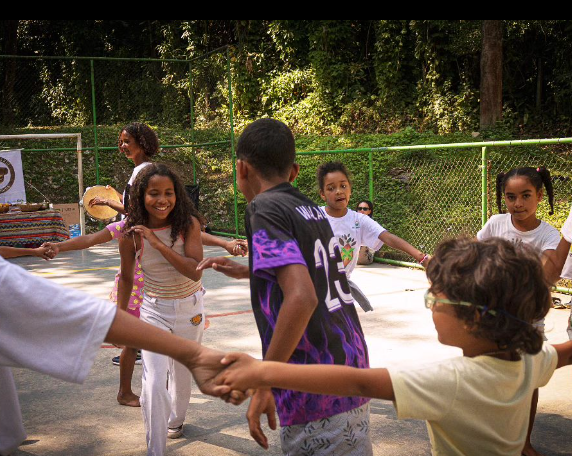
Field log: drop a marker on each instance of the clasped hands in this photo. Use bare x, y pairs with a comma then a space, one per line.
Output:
241, 378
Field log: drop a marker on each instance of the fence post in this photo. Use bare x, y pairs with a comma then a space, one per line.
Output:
96, 146
484, 190
230, 108
192, 112
370, 176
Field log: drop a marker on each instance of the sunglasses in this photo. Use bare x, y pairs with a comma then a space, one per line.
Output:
363, 208
431, 300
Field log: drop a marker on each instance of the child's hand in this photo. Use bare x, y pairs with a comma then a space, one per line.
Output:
243, 372
43, 252
97, 201
226, 266
205, 367
147, 234
52, 248
237, 247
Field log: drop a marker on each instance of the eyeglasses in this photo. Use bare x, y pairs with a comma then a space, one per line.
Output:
363, 208
431, 300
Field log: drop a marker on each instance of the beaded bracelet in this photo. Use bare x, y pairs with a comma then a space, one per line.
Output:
424, 258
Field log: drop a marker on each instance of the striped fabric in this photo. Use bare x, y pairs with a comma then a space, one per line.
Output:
31, 229
179, 290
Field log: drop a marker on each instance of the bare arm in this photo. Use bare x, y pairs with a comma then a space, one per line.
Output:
553, 261
245, 372
203, 362
116, 205
125, 285
397, 243
233, 246
226, 266
298, 305
14, 252
80, 242
564, 353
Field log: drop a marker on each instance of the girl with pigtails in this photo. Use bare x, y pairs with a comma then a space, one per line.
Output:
522, 190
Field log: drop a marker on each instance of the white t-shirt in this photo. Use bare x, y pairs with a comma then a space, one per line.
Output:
544, 237
130, 183
352, 231
473, 406
47, 328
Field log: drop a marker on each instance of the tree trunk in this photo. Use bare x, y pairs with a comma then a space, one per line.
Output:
10, 48
491, 74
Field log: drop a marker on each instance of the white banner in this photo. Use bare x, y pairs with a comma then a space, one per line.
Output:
12, 187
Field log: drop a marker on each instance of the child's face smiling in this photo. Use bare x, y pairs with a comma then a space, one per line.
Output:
336, 193
160, 199
521, 199
130, 147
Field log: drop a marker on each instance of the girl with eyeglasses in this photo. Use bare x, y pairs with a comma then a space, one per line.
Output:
484, 297
354, 229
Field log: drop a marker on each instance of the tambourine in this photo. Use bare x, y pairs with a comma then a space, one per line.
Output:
99, 213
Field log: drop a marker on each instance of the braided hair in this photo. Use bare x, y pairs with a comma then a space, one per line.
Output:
536, 176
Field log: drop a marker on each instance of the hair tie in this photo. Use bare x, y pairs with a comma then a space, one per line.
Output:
537, 170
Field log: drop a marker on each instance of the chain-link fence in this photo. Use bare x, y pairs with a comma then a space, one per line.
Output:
97, 97
421, 193
428, 193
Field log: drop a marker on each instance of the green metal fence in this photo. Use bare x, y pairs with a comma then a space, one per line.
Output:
422, 193
97, 96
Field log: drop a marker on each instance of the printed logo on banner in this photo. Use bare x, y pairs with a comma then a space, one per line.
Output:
7, 175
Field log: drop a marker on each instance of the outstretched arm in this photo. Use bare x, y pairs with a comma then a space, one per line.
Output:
203, 362
397, 243
80, 242
234, 246
14, 252
226, 266
245, 372
564, 353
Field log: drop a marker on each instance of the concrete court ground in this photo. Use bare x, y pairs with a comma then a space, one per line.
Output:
64, 419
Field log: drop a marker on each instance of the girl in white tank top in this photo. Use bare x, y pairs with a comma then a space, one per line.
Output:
163, 231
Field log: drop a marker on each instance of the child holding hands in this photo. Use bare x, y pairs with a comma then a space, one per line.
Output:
484, 297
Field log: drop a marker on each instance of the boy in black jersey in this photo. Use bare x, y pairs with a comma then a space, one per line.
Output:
300, 297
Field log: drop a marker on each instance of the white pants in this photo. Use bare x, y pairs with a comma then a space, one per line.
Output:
166, 384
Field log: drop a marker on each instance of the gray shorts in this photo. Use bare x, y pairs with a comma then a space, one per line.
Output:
345, 434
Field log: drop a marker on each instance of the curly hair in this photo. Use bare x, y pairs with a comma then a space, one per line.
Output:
536, 176
180, 218
499, 276
331, 167
143, 135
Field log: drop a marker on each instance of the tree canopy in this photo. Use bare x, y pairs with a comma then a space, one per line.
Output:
319, 76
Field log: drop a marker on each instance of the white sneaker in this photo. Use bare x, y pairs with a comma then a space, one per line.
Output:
175, 433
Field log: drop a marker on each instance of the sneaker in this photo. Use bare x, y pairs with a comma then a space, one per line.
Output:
115, 360
175, 433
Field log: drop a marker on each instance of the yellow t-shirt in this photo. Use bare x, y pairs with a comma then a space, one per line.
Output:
473, 406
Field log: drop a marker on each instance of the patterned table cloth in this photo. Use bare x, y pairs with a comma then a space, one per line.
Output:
31, 229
